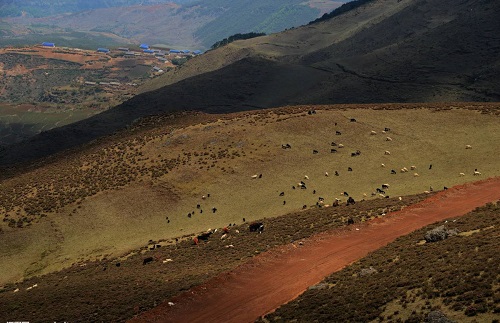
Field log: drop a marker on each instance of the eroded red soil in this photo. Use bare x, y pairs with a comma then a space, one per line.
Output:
276, 277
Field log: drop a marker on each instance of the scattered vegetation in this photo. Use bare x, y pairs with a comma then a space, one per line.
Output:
348, 6
235, 37
117, 289
410, 279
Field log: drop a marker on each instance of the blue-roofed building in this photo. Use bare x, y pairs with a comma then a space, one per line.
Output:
197, 52
186, 51
144, 46
103, 50
175, 51
148, 51
46, 44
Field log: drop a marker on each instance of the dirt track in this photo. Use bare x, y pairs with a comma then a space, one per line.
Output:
276, 277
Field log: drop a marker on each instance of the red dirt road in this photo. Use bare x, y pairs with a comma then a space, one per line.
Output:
280, 275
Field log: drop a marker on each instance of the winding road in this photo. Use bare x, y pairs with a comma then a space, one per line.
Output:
278, 276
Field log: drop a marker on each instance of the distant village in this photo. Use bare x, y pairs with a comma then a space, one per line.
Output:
165, 57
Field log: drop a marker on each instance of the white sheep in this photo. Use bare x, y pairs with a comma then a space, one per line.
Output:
387, 152
383, 165
476, 173
373, 132
405, 169
413, 167
388, 139
415, 175
341, 146
468, 147
400, 198
306, 177
381, 195
326, 174
462, 174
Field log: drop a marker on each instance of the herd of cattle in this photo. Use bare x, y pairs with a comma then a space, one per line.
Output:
380, 191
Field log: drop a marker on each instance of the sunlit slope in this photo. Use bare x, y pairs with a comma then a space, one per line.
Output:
119, 194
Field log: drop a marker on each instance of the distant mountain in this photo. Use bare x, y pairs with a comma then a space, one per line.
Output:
193, 24
383, 51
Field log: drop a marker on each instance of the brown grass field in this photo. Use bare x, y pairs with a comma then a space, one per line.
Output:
113, 196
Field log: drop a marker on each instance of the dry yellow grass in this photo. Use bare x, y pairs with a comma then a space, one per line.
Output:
220, 157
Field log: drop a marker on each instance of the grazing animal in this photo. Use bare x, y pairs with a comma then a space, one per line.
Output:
380, 191
326, 174
345, 194
388, 139
337, 173
468, 147
393, 171
462, 174
350, 201
256, 227
282, 194
338, 133
333, 150
214, 210
353, 120
244, 220
306, 177
413, 167
383, 165
286, 146
304, 207
198, 206
260, 175
349, 169
284, 202
204, 236
341, 146
293, 187
476, 173
336, 202
430, 166
333, 144
445, 188
387, 152
373, 132
314, 191
255, 176
350, 221
385, 186
387, 129
415, 174
315, 151
147, 260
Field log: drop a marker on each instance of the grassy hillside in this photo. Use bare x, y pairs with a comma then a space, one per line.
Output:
128, 184
413, 281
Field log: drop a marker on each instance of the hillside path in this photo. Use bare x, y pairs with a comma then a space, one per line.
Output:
278, 276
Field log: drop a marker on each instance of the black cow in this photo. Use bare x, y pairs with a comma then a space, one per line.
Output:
393, 171
204, 236
333, 144
315, 151
337, 173
345, 194
147, 260
387, 129
350, 221
338, 133
349, 169
333, 150
385, 186
256, 227
353, 120
350, 201
282, 194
